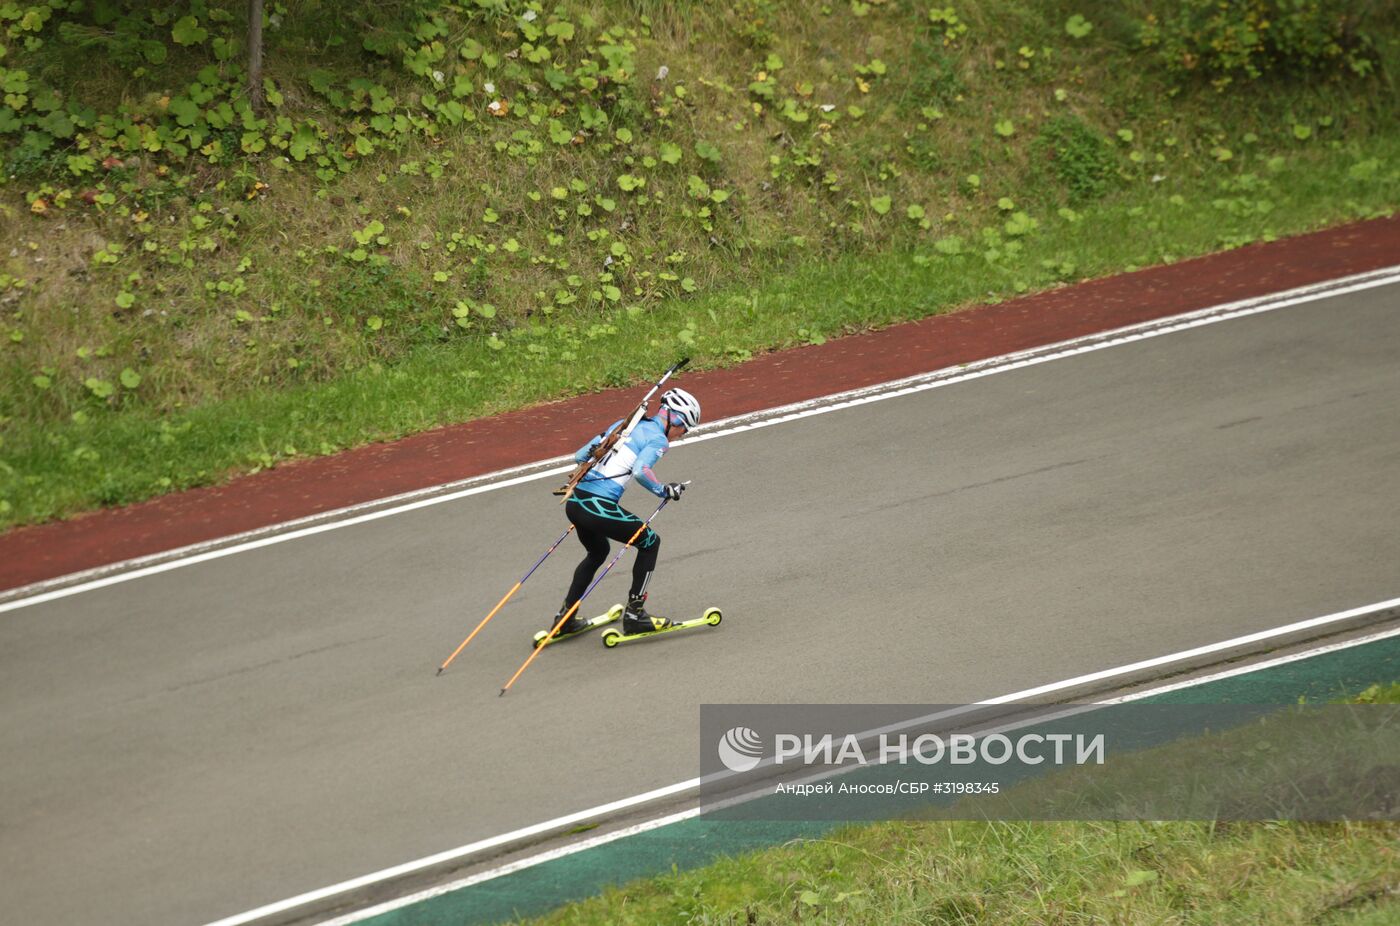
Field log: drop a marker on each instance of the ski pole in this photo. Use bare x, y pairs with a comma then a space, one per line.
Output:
570, 613
500, 604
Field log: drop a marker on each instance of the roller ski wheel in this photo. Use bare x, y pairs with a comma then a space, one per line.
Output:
612, 637
613, 614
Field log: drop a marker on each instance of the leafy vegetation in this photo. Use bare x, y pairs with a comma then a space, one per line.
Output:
1009, 872
487, 197
970, 872
1079, 157
1247, 40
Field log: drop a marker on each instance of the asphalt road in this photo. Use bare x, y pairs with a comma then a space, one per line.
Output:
193, 744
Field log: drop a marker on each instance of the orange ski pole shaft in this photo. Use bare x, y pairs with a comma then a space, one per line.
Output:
570, 613
500, 604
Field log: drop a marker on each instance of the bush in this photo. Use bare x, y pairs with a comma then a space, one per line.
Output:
1080, 158
932, 74
1251, 38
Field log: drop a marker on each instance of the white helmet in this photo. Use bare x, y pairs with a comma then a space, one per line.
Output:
684, 407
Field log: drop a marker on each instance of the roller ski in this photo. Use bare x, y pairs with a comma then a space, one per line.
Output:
576, 625
637, 624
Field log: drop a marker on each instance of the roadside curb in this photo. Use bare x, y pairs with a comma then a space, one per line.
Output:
312, 491
541, 871
129, 570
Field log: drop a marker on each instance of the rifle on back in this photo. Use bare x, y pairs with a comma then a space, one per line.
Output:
619, 432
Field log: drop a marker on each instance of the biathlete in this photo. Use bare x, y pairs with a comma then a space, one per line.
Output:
594, 510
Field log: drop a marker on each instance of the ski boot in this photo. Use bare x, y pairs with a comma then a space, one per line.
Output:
574, 624
636, 619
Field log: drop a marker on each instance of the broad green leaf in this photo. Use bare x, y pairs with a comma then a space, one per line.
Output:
187, 113
1364, 170
1020, 224
321, 80
707, 152
187, 31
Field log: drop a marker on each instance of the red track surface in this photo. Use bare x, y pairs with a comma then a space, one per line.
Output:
302, 488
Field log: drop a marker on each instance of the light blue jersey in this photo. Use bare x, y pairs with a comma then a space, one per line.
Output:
633, 457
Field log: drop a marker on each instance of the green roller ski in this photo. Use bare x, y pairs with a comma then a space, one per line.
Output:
613, 613
614, 637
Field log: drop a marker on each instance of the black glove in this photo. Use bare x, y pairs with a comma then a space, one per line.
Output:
673, 490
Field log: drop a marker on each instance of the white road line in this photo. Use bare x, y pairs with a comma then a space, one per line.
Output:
724, 428
452, 854
594, 813
531, 862
1069, 710
1257, 666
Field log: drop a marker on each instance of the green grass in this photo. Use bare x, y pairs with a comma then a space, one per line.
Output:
62, 467
1031, 873
1379, 694
194, 324
998, 872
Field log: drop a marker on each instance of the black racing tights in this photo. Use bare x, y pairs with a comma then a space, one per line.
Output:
599, 520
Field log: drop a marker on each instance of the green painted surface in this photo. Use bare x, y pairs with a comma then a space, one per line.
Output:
693, 843
1320, 678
